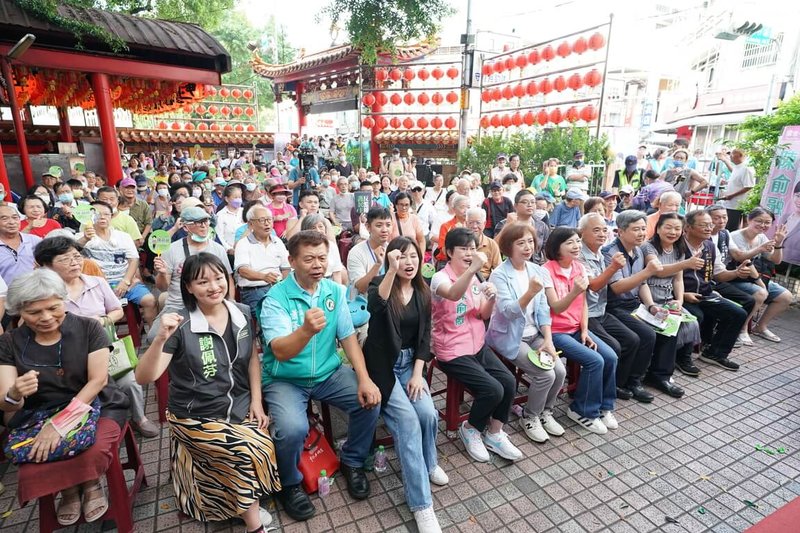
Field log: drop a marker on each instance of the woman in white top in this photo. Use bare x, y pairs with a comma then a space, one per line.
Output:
229, 217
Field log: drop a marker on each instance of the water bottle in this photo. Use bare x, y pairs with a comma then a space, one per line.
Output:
324, 484
380, 460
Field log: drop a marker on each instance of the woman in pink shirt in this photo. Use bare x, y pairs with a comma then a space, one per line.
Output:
593, 403
460, 303
281, 210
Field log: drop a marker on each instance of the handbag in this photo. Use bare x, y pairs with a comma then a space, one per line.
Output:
317, 455
122, 356
77, 440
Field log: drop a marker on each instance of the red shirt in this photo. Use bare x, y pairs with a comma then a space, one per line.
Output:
441, 255
42, 231
568, 321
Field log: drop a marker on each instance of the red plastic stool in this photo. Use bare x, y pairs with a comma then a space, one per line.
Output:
162, 395
133, 319
120, 496
454, 396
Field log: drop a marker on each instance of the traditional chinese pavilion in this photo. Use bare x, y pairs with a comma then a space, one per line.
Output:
166, 65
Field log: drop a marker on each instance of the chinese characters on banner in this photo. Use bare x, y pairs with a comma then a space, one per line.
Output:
782, 192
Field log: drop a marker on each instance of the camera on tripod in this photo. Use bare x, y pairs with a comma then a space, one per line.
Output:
306, 161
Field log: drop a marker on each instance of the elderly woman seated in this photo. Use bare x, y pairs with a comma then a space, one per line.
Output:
55, 359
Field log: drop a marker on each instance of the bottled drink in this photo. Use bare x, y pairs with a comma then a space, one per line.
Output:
324, 484
380, 460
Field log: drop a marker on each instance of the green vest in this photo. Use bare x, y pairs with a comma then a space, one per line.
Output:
635, 179
319, 359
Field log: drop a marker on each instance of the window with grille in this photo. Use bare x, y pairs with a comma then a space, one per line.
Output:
758, 55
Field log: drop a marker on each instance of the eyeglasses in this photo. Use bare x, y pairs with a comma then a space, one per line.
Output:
527, 202
704, 226
198, 223
74, 259
58, 365
262, 220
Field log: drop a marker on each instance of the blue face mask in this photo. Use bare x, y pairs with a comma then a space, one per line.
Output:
65, 198
198, 238
250, 186
677, 164
235, 203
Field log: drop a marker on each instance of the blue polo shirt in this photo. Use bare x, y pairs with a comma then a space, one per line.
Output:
20, 261
634, 263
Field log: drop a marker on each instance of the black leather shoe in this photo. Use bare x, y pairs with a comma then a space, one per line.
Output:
640, 394
688, 368
665, 386
624, 394
296, 502
357, 482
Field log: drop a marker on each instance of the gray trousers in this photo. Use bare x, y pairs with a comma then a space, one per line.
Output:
545, 384
134, 393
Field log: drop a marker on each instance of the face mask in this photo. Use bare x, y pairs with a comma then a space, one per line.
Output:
45, 198
77, 194
208, 186
539, 214
197, 193
198, 238
507, 187
677, 164
250, 187
65, 198
396, 157
326, 183
577, 163
343, 158
235, 203
164, 193
354, 186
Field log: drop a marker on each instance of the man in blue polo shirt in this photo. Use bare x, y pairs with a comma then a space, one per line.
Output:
301, 319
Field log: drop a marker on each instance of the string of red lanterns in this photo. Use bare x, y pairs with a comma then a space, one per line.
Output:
408, 74
547, 53
555, 116
408, 123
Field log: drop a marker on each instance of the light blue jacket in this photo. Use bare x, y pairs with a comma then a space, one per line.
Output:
508, 319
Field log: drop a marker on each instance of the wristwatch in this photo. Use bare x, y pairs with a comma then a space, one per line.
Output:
11, 401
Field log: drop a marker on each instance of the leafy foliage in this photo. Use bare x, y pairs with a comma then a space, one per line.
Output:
378, 26
47, 10
760, 136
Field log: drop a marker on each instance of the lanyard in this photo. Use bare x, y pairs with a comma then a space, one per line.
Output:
375, 259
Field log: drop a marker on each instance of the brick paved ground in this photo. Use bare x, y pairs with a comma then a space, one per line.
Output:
667, 459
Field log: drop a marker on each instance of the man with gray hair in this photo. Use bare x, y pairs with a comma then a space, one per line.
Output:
458, 206
668, 202
524, 207
476, 218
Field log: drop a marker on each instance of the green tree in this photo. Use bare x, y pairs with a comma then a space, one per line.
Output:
376, 26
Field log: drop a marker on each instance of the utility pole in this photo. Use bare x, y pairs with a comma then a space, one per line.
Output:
468, 40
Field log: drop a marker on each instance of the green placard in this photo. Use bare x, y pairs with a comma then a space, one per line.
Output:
80, 167
83, 213
362, 199
150, 174
159, 241
212, 171
337, 230
428, 270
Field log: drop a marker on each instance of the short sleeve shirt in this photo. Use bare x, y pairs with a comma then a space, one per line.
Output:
113, 254
124, 222
360, 260
174, 259
264, 258
634, 263
661, 288
595, 264
96, 298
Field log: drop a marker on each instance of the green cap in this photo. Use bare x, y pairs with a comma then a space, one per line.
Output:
323, 473
380, 448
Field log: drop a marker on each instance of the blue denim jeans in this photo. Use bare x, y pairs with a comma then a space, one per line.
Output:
287, 408
597, 386
426, 412
251, 297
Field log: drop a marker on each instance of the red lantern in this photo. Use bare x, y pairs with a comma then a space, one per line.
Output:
545, 86
423, 74
485, 122
214, 127
436, 123
369, 123
452, 97
548, 54
227, 127
508, 94
422, 123
409, 99
597, 41
188, 126
237, 111
409, 74
369, 100
408, 123
162, 125
509, 62
247, 93
486, 95
395, 123
437, 73
528, 119
593, 78
580, 46
499, 67
437, 98
395, 74
202, 126
521, 61
519, 90
564, 49
423, 98
381, 75
396, 99
575, 82
381, 122
236, 93
211, 90
452, 73
187, 108
249, 111
556, 116
497, 94
506, 121
382, 99
572, 114
239, 127
225, 110
251, 128
224, 92
516, 119
200, 110
542, 117
175, 126
213, 109
487, 69
531, 89
589, 113
533, 56
495, 121
560, 84
450, 123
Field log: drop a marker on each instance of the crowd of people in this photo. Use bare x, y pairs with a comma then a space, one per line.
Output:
248, 309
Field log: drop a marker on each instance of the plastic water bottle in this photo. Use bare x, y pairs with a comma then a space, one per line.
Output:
380, 460
324, 484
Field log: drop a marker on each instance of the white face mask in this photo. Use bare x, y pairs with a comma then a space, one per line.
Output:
539, 214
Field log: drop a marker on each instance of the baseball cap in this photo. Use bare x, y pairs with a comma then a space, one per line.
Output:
631, 161
375, 179
127, 182
191, 202
495, 185
577, 154
546, 196
502, 156
141, 180
194, 214
54, 171
608, 194
417, 186
574, 194
278, 189
220, 181
626, 189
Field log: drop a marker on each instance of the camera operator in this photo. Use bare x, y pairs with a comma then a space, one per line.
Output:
304, 176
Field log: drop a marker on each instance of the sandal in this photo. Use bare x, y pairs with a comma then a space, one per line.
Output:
69, 513
94, 508
767, 334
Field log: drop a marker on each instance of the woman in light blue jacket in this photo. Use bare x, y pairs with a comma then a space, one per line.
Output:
519, 329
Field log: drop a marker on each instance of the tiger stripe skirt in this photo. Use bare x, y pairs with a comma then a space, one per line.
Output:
219, 469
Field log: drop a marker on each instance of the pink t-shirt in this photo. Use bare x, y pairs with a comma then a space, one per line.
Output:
457, 329
568, 321
280, 225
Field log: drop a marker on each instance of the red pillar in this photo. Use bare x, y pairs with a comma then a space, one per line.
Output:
19, 129
108, 132
301, 117
374, 151
4, 176
64, 126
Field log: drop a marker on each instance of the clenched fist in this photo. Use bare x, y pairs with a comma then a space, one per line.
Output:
314, 321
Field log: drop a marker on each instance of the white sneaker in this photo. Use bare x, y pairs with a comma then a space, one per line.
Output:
550, 425
609, 420
471, 438
438, 476
265, 517
595, 425
499, 444
427, 521
744, 339
533, 429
